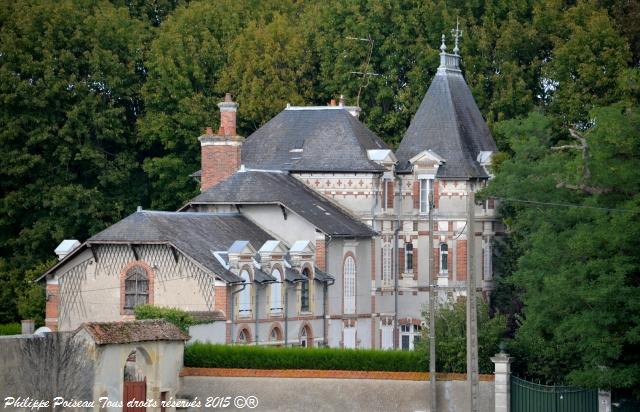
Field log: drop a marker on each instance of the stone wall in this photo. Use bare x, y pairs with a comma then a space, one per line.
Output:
331, 394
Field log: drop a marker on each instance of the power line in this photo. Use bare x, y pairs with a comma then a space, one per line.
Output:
535, 202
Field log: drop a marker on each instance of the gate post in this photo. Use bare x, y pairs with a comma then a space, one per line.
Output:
502, 383
604, 401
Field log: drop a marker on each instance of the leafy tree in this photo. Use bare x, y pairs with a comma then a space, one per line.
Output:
577, 273
451, 346
70, 77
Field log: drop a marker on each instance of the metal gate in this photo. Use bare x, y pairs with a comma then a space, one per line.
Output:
134, 390
532, 397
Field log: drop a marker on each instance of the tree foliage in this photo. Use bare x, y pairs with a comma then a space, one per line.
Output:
101, 103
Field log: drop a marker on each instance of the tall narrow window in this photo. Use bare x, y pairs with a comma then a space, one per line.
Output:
387, 274
136, 287
444, 258
349, 271
425, 194
408, 257
276, 293
244, 304
304, 292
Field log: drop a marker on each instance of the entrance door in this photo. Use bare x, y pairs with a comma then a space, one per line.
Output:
135, 385
134, 390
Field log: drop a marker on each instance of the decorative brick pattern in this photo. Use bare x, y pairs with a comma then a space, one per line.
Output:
461, 260
321, 254
415, 263
416, 194
436, 194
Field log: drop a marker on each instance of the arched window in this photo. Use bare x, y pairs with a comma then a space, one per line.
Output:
444, 258
304, 292
387, 274
244, 300
275, 335
243, 336
305, 337
349, 273
136, 287
276, 293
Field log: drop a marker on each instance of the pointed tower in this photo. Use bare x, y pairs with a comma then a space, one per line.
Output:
449, 125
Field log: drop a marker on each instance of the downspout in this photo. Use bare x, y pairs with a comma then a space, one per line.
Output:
256, 311
325, 294
232, 297
398, 205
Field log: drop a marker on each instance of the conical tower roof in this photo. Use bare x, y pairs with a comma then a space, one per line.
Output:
448, 122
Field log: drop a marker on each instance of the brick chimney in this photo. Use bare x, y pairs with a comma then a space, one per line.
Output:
221, 151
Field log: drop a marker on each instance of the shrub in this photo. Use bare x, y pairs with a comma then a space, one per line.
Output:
207, 355
10, 329
178, 317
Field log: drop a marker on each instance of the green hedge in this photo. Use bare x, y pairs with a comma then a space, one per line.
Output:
178, 317
206, 355
10, 329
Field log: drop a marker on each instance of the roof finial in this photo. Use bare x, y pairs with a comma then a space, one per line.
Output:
443, 47
457, 33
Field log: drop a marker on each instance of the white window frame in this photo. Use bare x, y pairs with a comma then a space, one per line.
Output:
444, 269
386, 337
349, 289
411, 332
275, 304
244, 297
387, 264
426, 186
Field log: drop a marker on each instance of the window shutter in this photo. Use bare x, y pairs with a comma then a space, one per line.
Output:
416, 194
401, 258
436, 260
415, 263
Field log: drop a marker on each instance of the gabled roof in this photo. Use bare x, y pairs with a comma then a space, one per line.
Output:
256, 187
197, 235
449, 123
312, 139
104, 333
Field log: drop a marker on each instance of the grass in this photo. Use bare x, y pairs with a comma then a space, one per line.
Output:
10, 329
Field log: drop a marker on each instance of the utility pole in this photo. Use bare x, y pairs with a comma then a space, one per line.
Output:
472, 308
432, 315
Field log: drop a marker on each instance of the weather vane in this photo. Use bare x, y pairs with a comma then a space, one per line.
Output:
457, 33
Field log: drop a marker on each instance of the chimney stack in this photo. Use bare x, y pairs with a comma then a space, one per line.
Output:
221, 151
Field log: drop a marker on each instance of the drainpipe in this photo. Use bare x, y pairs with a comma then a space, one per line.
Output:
233, 295
256, 311
398, 205
325, 295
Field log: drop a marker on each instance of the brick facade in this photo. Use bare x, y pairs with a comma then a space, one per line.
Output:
461, 260
52, 307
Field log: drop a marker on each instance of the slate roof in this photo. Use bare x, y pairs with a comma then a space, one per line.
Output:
255, 187
448, 122
323, 139
321, 276
133, 331
194, 234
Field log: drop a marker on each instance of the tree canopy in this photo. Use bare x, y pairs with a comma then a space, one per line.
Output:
101, 103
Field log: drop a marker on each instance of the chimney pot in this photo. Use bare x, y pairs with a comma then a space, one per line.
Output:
341, 101
209, 131
227, 97
333, 102
28, 326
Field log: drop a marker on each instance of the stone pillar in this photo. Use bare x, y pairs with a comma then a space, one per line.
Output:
502, 384
604, 401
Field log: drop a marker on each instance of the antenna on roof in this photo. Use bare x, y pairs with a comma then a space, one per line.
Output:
365, 73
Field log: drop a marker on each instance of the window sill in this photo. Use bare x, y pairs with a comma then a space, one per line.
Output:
306, 313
